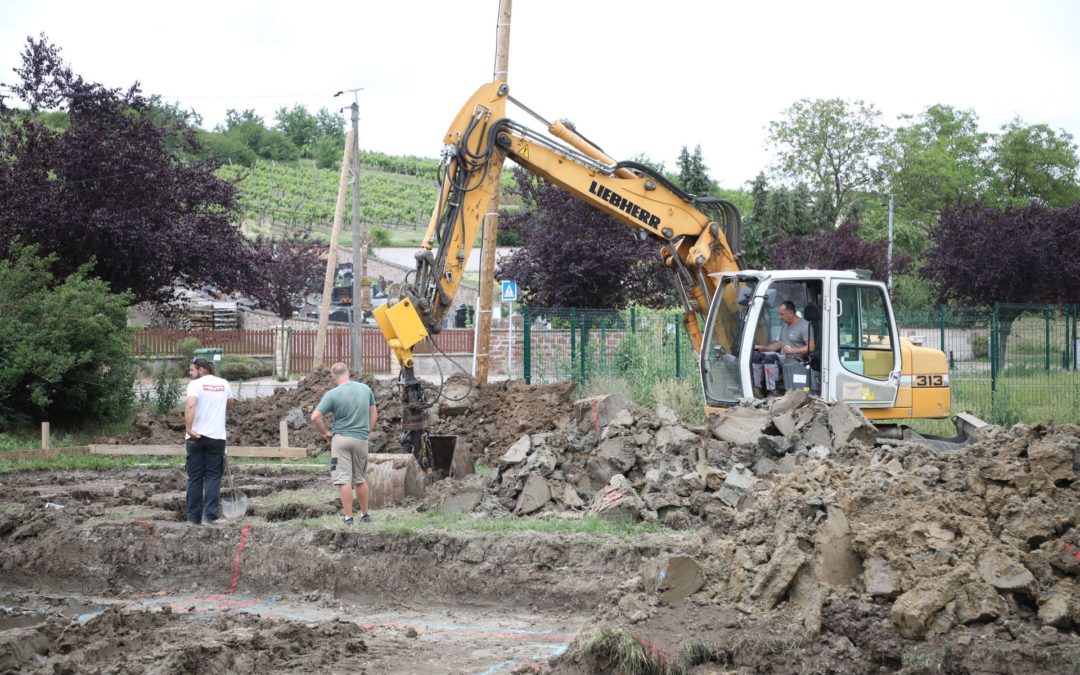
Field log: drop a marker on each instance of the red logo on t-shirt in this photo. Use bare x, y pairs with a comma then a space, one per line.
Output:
213, 387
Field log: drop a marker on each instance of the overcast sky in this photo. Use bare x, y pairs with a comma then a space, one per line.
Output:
635, 76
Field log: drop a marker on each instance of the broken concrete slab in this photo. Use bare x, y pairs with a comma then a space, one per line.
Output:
517, 452
879, 578
836, 562
596, 413
617, 501
977, 602
788, 402
1004, 573
462, 502
914, 611
849, 424
785, 424
674, 577
675, 439
666, 415
534, 495
742, 426
618, 453
776, 576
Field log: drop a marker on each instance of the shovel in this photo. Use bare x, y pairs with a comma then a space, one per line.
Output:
233, 503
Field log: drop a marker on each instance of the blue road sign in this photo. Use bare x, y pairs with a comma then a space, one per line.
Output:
509, 291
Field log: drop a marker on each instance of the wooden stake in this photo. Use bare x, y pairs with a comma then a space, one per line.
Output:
45, 436
284, 432
331, 260
491, 218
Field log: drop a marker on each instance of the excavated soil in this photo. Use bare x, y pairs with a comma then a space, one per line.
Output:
498, 414
789, 540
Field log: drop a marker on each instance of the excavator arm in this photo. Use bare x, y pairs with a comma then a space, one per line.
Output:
697, 236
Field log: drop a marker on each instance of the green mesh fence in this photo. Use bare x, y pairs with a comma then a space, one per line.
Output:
1007, 363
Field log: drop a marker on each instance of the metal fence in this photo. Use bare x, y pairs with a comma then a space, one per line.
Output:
1007, 363
581, 344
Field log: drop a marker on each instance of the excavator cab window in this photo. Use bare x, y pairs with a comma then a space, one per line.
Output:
864, 336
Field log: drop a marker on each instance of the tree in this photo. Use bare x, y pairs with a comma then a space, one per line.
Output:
832, 145
693, 174
837, 249
937, 160
289, 267
982, 255
1033, 163
299, 126
778, 213
108, 191
575, 256
65, 350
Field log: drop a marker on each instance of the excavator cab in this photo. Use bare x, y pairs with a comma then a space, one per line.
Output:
856, 354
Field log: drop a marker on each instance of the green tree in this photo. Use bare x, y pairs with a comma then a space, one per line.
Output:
65, 350
1033, 163
693, 174
937, 160
834, 146
299, 126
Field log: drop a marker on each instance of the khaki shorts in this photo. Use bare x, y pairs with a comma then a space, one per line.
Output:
348, 460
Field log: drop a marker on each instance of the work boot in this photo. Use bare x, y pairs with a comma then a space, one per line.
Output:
759, 392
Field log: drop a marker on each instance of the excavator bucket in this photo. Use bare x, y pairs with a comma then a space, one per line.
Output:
442, 454
392, 478
969, 429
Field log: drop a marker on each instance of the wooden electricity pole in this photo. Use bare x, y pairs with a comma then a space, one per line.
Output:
331, 260
491, 218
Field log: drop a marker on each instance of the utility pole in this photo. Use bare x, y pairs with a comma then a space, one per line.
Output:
491, 218
331, 260
360, 295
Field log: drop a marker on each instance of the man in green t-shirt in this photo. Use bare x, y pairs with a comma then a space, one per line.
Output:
353, 406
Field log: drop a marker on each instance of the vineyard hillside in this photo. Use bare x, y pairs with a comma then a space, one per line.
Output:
396, 193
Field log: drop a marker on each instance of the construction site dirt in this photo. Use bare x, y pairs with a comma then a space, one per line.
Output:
781, 538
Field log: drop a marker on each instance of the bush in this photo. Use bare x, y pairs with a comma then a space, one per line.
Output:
168, 391
186, 348
65, 349
235, 368
980, 346
379, 236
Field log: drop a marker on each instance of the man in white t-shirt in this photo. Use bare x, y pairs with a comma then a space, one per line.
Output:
208, 399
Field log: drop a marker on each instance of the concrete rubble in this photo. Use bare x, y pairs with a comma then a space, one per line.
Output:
800, 506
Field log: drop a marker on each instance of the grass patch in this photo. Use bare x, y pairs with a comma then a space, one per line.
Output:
88, 462
618, 650
481, 469
696, 651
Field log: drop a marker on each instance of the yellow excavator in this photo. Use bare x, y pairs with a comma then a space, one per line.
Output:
859, 356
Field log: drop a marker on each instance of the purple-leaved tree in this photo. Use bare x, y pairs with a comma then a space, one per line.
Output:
839, 249
107, 188
981, 255
575, 256
288, 268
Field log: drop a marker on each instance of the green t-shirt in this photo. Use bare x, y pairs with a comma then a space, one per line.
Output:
349, 403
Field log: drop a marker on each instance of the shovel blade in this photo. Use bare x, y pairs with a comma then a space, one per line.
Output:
234, 505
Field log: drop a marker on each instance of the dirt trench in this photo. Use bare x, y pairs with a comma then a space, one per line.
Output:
790, 538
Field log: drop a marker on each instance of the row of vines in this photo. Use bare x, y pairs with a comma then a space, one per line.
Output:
302, 195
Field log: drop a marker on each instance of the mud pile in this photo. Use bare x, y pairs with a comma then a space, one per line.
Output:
484, 416
809, 520
164, 641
